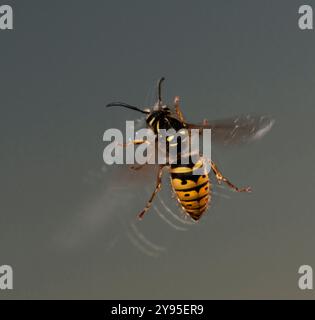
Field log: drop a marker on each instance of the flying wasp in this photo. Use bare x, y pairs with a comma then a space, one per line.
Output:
192, 191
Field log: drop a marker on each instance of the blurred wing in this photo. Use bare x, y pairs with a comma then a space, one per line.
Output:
241, 129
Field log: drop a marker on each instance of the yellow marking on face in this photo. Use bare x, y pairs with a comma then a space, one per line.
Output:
158, 126
151, 122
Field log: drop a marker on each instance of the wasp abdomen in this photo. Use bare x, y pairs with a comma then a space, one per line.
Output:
192, 191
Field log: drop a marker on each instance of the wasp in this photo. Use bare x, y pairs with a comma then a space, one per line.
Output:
193, 192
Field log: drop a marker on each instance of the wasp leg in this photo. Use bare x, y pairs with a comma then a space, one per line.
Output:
135, 142
178, 110
221, 178
138, 167
156, 190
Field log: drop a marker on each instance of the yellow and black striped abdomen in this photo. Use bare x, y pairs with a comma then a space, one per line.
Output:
193, 191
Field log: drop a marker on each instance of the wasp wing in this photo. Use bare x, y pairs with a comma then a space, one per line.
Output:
237, 130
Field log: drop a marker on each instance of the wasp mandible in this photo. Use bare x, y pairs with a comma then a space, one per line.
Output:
193, 192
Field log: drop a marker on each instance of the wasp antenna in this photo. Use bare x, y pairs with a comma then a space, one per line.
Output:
126, 105
160, 90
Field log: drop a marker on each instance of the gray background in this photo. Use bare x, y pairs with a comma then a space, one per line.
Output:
66, 222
